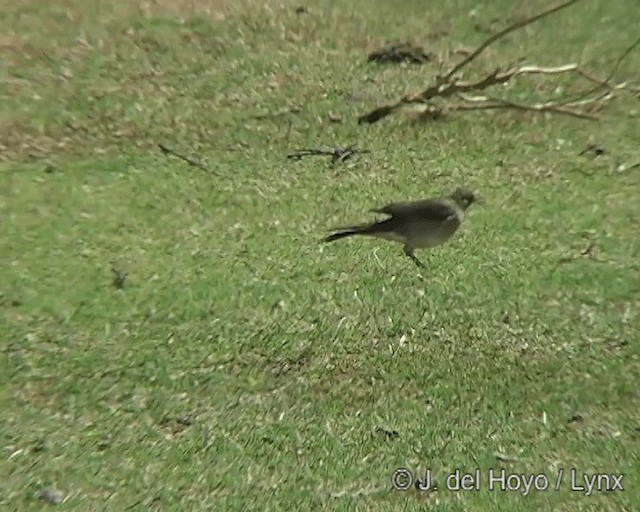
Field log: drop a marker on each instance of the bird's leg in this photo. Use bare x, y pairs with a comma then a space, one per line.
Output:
409, 252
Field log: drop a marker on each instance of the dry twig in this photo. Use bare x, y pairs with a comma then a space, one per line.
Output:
168, 151
593, 149
337, 155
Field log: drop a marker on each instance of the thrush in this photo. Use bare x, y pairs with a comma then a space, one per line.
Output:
415, 224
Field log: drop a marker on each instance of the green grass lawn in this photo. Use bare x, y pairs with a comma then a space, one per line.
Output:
246, 366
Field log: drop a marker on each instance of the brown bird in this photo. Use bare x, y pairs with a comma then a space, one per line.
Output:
415, 224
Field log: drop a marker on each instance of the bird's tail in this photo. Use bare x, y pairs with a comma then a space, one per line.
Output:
363, 229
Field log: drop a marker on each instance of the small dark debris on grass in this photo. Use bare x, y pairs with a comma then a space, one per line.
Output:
400, 52
593, 149
302, 10
176, 424
119, 278
337, 155
184, 420
51, 497
576, 418
16, 303
278, 305
39, 446
588, 249
388, 434
334, 118
49, 169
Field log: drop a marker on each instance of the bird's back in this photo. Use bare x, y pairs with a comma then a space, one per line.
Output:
425, 223
433, 209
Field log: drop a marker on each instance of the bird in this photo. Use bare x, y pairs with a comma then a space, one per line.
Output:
421, 224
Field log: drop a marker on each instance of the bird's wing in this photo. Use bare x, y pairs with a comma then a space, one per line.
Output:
427, 208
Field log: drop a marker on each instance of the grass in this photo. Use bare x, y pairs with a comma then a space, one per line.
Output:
244, 366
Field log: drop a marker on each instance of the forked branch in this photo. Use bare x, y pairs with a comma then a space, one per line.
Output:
450, 85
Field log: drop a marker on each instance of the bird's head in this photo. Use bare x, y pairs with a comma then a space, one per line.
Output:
464, 197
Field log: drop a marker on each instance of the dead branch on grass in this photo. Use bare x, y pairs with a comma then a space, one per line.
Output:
450, 85
338, 155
